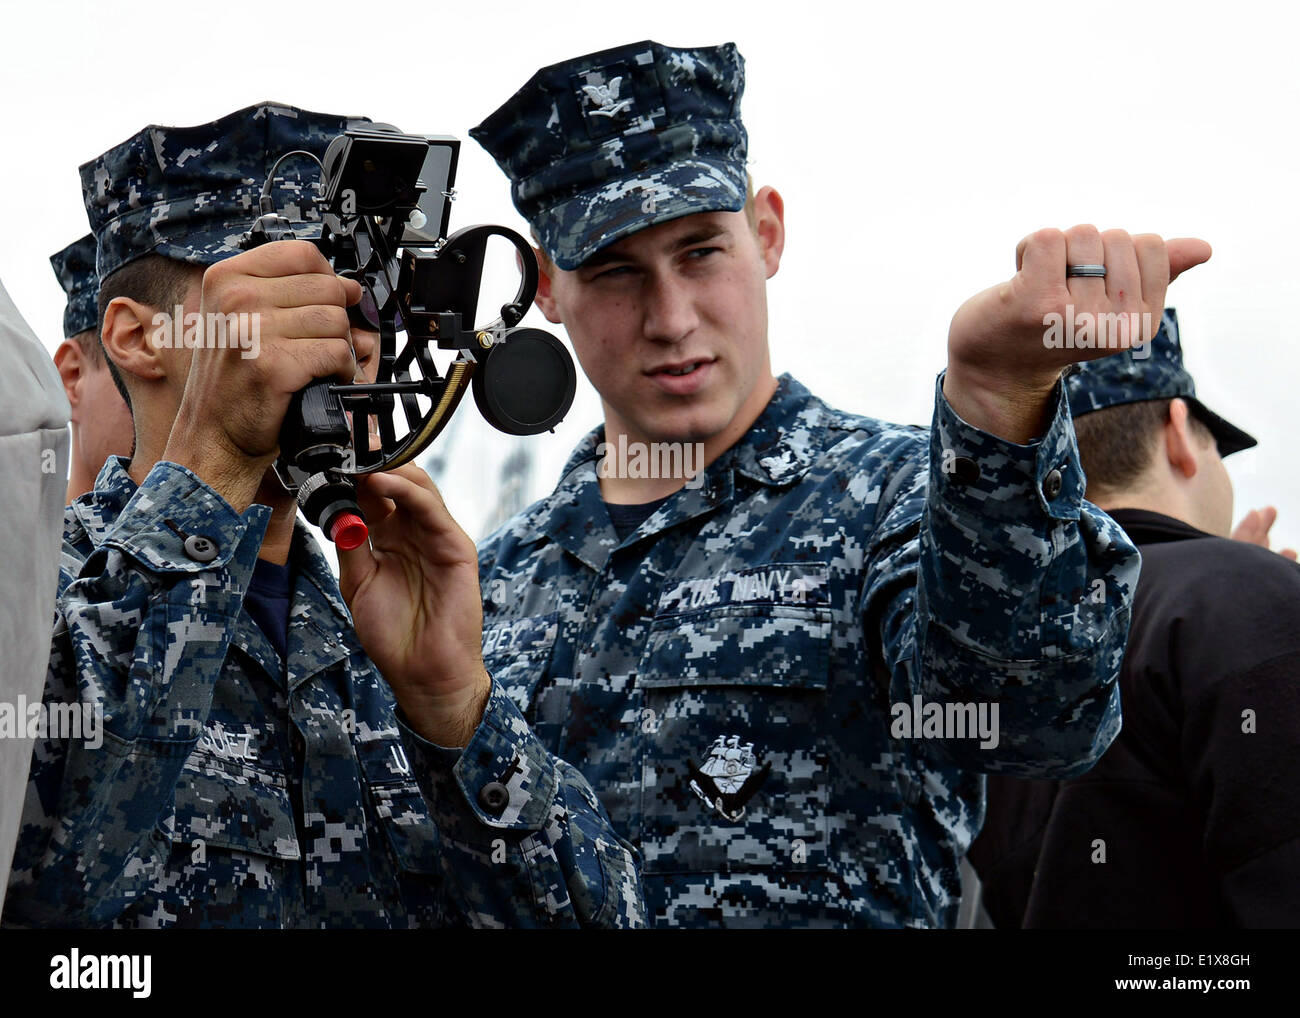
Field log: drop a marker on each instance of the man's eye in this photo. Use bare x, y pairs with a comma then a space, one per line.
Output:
617, 272
700, 252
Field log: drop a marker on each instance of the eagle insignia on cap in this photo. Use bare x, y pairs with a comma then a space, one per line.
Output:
606, 98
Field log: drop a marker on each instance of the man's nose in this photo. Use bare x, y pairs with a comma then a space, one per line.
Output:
670, 313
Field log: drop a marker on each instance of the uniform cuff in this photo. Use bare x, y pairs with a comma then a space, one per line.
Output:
175, 523
504, 775
993, 477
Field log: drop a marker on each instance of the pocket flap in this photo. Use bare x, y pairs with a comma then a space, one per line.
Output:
768, 645
236, 807
515, 653
399, 803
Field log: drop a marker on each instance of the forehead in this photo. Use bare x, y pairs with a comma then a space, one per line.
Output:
667, 237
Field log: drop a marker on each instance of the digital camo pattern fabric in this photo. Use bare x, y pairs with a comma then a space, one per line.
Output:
729, 676
232, 790
75, 268
191, 193
603, 145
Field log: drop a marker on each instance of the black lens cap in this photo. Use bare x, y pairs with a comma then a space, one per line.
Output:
525, 385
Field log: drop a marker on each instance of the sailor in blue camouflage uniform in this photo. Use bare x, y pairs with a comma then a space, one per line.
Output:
254, 767
734, 661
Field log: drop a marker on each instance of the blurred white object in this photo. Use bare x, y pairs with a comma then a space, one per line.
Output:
33, 480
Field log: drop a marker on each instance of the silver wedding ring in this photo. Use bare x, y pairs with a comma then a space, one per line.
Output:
1088, 271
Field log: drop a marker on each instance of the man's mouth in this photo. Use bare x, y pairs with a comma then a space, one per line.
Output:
681, 378
679, 368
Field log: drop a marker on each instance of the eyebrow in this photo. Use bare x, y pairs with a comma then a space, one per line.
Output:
612, 254
699, 236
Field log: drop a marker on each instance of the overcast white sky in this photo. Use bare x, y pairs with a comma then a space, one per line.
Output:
914, 146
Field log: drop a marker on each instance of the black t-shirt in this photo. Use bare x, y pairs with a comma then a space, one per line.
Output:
626, 518
267, 600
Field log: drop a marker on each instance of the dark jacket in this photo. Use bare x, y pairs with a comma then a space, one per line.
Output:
1196, 806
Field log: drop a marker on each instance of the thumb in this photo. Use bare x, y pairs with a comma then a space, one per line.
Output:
1185, 253
352, 291
355, 569
376, 507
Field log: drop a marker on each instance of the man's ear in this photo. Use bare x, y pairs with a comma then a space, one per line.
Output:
127, 336
1180, 443
545, 299
72, 370
769, 221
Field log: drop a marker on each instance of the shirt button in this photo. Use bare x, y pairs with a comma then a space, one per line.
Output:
1052, 484
494, 797
200, 549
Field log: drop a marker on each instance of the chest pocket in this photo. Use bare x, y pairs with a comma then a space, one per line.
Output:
734, 765
516, 653
234, 805
398, 802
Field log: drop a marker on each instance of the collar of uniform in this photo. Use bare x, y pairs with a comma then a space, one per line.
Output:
777, 450
98, 508
781, 445
320, 627
573, 515
778, 447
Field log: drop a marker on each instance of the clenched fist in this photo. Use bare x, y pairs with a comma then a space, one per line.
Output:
228, 425
1002, 363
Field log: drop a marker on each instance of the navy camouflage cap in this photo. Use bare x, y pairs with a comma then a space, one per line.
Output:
603, 145
75, 268
190, 193
1159, 374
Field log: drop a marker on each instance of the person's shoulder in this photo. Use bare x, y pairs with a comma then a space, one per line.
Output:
1262, 576
1227, 569
839, 420
858, 436
878, 463
1238, 602
860, 468
1226, 614
525, 527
